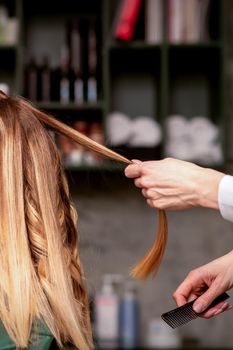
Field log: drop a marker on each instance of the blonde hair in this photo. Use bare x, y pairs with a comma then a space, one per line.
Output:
41, 274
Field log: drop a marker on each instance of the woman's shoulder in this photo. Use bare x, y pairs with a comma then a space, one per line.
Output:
41, 338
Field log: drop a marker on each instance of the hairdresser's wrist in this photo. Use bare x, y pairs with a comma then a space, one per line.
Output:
207, 188
225, 197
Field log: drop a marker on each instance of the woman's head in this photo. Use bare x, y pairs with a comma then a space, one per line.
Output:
41, 276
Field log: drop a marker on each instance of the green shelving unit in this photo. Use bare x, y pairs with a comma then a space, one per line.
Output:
54, 106
171, 67
137, 77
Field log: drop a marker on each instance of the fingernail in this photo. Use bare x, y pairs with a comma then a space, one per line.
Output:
229, 307
136, 161
198, 308
224, 307
218, 312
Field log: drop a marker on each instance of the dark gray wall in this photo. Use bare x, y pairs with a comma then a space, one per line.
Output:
116, 227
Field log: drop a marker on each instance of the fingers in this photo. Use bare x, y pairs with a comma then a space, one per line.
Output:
185, 292
216, 310
133, 170
150, 193
138, 168
206, 298
138, 182
154, 199
151, 203
143, 182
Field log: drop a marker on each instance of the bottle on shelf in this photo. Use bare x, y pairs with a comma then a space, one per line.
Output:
76, 47
65, 75
3, 23
77, 155
126, 19
95, 133
31, 79
129, 317
73, 154
187, 21
5, 88
107, 313
45, 80
92, 94
162, 336
65, 146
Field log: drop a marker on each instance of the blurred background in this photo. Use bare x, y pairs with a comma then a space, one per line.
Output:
150, 79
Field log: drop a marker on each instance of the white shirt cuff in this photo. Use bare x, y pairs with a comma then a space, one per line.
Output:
225, 197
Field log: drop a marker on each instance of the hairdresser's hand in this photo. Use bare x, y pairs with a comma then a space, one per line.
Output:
206, 283
175, 184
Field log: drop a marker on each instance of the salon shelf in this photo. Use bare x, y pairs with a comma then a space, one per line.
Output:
5, 47
198, 45
133, 45
135, 77
105, 166
57, 106
141, 153
147, 46
142, 78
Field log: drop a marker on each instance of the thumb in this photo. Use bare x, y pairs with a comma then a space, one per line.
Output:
202, 303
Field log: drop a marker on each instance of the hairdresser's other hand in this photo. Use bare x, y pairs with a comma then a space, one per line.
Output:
206, 283
175, 184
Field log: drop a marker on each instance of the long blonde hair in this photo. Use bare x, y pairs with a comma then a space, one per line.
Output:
40, 271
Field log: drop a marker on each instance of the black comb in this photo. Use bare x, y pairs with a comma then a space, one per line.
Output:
185, 313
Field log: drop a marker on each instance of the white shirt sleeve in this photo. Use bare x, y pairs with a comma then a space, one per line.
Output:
225, 197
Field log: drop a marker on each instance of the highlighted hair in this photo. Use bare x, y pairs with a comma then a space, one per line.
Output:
41, 274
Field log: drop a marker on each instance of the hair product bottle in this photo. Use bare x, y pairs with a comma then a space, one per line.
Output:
65, 79
129, 317
45, 80
76, 44
92, 94
31, 83
107, 314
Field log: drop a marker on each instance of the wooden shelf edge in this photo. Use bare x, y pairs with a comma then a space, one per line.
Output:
140, 44
6, 47
197, 45
69, 106
116, 167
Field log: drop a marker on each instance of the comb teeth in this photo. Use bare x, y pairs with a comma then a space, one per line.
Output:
180, 315
185, 313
